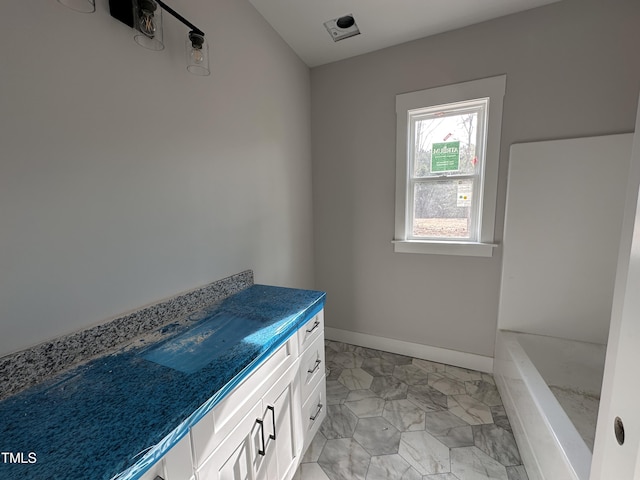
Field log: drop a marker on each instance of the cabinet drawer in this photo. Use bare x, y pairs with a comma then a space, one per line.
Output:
310, 331
312, 367
314, 412
207, 434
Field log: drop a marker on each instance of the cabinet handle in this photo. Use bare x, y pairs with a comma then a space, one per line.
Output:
316, 324
261, 451
273, 419
316, 366
317, 412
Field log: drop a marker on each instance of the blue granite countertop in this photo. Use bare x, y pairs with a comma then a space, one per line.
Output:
116, 415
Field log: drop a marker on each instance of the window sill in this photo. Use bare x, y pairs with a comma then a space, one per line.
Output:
444, 248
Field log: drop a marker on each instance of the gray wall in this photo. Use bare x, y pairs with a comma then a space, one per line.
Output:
124, 179
573, 70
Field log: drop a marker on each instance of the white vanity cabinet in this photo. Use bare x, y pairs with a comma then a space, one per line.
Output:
261, 429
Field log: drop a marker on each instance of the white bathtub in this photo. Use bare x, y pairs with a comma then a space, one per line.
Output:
525, 365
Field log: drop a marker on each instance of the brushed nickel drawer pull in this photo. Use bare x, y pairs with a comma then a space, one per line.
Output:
315, 367
316, 324
317, 412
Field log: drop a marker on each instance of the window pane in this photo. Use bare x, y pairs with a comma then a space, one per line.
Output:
445, 143
442, 209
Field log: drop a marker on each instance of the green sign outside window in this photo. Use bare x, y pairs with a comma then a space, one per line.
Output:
445, 157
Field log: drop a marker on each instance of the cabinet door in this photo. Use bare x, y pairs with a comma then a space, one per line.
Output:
281, 423
233, 459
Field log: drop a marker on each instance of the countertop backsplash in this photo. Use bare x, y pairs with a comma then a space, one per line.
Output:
29, 367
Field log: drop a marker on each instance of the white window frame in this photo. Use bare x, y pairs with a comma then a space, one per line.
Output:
492, 88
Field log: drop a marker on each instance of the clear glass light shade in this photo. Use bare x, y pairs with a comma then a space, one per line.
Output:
83, 6
147, 17
197, 50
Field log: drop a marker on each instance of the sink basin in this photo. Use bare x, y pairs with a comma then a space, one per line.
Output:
204, 343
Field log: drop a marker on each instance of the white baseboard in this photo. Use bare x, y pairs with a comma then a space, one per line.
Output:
471, 361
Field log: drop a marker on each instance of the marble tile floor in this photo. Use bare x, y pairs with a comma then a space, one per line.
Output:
391, 417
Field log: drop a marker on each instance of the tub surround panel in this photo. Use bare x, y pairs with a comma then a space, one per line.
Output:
573, 267
98, 419
28, 367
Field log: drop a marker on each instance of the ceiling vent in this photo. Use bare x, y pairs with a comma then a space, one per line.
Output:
342, 27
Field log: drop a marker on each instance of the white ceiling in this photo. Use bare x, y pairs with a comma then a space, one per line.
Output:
382, 23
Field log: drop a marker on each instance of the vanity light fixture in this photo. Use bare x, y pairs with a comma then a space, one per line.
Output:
83, 6
145, 17
147, 24
197, 53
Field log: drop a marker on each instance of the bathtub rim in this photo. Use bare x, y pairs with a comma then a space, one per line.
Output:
570, 458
